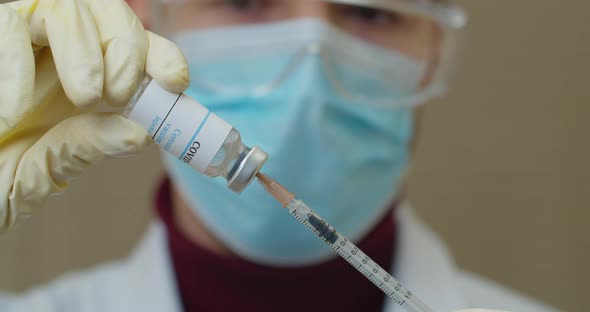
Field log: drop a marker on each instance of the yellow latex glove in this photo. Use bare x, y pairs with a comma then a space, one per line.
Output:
58, 60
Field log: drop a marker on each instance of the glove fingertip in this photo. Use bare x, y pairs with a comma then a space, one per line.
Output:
124, 136
78, 54
124, 68
17, 69
85, 90
166, 64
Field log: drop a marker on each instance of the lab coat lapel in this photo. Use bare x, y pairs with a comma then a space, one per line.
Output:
423, 265
150, 277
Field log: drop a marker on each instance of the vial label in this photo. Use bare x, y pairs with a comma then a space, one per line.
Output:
180, 125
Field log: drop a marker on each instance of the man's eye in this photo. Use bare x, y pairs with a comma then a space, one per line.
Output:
371, 16
246, 5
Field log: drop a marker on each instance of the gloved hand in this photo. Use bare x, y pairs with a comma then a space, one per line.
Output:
58, 60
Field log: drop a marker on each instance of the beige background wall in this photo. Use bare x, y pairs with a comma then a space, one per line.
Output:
501, 169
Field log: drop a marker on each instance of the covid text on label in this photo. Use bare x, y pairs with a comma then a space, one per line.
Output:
192, 151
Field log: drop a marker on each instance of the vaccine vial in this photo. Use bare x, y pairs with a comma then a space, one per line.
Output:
189, 131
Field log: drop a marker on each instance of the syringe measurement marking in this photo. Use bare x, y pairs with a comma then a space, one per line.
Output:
374, 279
393, 293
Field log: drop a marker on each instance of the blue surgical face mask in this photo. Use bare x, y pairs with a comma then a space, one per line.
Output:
343, 158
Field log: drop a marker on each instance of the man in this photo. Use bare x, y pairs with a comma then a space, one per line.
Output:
327, 88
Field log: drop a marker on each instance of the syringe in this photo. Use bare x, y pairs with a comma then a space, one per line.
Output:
344, 247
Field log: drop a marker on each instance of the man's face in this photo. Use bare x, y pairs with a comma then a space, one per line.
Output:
411, 35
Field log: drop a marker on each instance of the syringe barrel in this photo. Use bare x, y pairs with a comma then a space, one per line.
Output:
356, 257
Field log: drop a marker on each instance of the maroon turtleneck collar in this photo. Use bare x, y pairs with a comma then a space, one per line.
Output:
209, 282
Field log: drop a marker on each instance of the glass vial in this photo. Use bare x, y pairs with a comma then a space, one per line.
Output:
189, 131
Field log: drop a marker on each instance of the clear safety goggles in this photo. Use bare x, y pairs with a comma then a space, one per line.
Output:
427, 32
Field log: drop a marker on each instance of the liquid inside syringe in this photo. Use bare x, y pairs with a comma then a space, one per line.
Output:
345, 248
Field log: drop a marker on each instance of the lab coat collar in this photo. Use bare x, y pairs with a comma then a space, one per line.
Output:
151, 274
422, 264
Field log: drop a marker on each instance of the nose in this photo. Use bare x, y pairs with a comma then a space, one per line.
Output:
310, 8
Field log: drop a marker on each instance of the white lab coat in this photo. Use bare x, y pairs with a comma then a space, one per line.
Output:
145, 281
